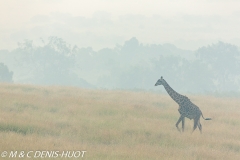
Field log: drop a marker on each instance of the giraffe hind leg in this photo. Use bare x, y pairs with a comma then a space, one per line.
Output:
200, 126
195, 124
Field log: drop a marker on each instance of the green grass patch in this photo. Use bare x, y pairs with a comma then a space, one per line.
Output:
17, 128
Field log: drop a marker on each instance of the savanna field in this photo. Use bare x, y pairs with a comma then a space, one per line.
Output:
114, 125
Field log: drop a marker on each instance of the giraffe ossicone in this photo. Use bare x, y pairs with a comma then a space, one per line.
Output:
186, 107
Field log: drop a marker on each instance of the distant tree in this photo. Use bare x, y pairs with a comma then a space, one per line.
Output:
184, 75
222, 60
5, 74
51, 64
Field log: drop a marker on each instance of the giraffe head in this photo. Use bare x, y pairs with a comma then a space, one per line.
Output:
161, 81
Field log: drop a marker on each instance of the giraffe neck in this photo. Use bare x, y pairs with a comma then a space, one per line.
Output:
173, 94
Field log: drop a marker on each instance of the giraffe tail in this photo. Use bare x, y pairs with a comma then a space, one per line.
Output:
206, 118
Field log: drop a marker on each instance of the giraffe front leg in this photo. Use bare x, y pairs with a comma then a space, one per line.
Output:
183, 122
179, 120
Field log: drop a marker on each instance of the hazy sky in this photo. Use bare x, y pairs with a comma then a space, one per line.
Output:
188, 24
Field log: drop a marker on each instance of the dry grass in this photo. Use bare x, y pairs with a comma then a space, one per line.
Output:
114, 124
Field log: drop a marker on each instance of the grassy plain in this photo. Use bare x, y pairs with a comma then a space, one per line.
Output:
109, 125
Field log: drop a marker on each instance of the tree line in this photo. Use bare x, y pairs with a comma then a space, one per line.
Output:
132, 65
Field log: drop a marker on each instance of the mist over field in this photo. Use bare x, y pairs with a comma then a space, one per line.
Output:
131, 65
122, 44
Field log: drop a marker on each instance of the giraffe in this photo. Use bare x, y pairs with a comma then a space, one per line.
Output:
186, 107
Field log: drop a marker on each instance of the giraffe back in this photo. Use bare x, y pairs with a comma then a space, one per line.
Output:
188, 109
